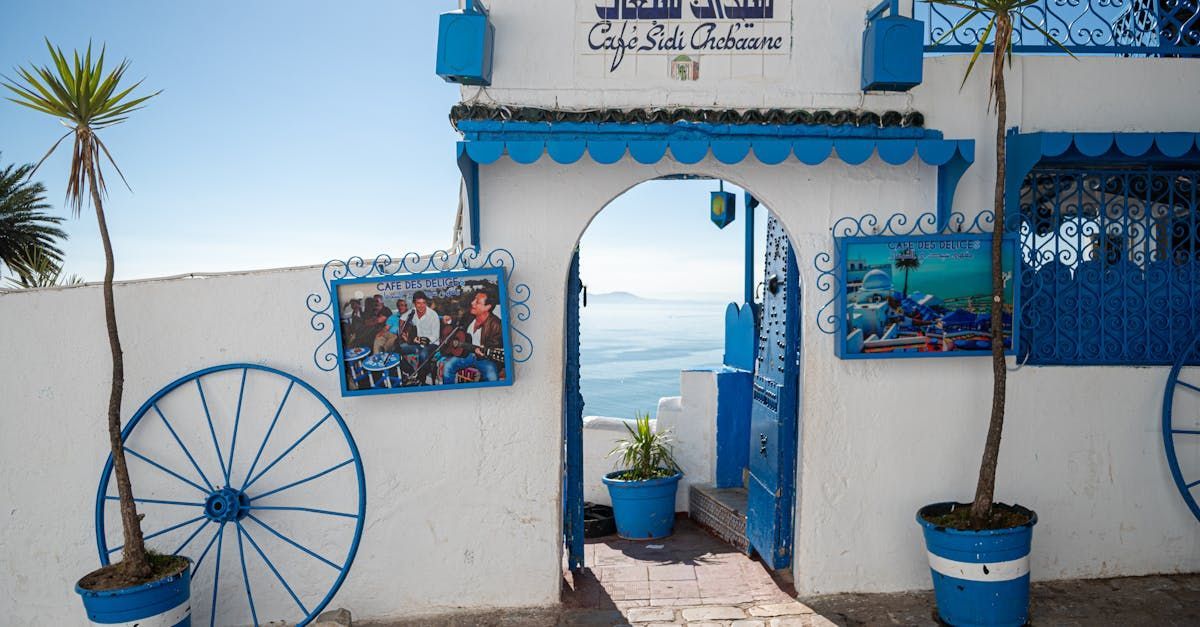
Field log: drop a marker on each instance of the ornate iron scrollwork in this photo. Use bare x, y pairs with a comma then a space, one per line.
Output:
1137, 27
1112, 265
321, 304
829, 267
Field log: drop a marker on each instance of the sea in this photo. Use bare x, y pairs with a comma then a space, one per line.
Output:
631, 353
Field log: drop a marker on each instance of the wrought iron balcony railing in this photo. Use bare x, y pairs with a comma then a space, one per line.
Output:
1157, 28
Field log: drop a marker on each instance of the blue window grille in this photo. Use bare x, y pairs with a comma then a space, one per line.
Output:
1125, 27
1111, 264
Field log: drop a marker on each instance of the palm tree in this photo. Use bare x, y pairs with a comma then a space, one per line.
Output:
85, 99
907, 260
24, 228
1000, 16
42, 271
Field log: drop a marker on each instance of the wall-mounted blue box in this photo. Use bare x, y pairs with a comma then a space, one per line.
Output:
465, 38
893, 50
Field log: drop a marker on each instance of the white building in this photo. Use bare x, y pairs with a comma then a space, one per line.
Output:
465, 510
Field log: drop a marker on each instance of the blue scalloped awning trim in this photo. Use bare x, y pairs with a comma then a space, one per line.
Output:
1067, 146
487, 141
1026, 150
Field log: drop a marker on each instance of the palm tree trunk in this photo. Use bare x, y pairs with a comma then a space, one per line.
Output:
134, 560
985, 489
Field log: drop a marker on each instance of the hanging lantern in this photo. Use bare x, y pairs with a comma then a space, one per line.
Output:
723, 207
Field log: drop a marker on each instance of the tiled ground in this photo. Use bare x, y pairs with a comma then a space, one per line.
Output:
694, 579
689, 578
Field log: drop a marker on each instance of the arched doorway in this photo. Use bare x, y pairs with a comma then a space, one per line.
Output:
757, 401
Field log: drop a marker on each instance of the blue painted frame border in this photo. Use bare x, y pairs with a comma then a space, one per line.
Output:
840, 244
502, 286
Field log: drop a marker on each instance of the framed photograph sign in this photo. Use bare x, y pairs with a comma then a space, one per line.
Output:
922, 296
423, 332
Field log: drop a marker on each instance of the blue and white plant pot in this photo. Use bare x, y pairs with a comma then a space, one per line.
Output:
979, 577
161, 603
644, 510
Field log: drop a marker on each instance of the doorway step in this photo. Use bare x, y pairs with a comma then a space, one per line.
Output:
722, 511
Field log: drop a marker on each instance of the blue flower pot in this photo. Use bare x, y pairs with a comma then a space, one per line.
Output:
161, 603
979, 577
645, 510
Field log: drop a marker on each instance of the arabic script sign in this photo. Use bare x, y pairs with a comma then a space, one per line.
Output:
683, 39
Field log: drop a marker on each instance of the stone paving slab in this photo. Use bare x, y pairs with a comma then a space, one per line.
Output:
696, 580
1166, 601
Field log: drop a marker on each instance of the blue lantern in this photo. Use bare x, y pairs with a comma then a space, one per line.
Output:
722, 207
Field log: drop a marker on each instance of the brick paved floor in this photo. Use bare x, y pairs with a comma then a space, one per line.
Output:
694, 579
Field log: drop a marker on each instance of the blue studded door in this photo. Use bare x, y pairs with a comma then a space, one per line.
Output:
774, 410
572, 426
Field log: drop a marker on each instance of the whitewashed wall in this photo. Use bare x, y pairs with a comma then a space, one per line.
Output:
691, 418
463, 487
536, 63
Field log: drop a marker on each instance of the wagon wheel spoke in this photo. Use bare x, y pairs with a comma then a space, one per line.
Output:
189, 538
183, 448
157, 501
303, 509
278, 411
212, 431
151, 536
285, 453
237, 418
245, 576
302, 481
212, 618
165, 469
211, 541
1194, 388
292, 542
273, 569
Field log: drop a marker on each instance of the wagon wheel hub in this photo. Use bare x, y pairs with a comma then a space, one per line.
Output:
226, 505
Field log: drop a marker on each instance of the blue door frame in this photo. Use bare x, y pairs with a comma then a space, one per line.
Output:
572, 426
774, 413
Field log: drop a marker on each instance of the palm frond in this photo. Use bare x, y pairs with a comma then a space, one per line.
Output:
992, 10
42, 270
25, 229
86, 96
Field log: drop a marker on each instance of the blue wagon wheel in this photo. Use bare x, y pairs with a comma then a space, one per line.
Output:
253, 459
1181, 427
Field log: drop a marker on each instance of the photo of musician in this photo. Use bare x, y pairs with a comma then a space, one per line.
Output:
418, 332
422, 332
482, 334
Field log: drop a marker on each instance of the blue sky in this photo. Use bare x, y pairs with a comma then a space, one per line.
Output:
291, 133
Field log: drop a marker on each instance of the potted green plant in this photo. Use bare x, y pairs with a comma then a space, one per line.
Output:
79, 94
643, 490
979, 552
